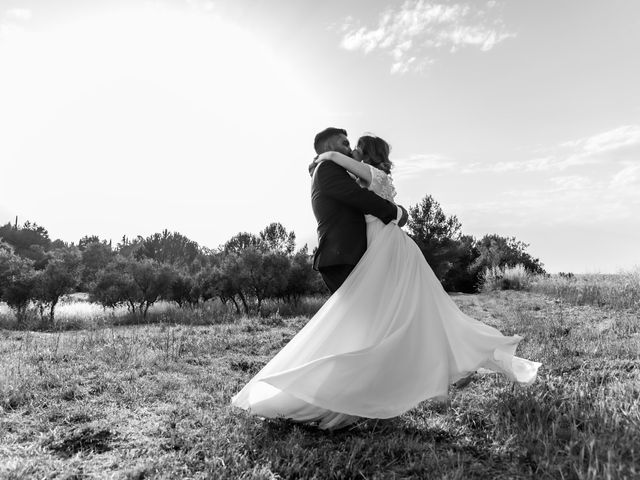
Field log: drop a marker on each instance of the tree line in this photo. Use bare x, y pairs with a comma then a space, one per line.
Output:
35, 271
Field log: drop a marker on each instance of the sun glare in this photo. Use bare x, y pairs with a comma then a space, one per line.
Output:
160, 106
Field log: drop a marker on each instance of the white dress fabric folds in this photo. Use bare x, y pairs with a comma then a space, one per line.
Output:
387, 339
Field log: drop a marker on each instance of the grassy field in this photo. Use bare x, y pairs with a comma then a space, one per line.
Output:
620, 291
152, 401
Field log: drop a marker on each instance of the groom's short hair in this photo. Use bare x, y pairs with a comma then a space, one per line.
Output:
324, 135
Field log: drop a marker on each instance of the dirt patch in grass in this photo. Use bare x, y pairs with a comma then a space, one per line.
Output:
83, 439
246, 364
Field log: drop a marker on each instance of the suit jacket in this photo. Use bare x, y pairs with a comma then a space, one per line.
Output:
339, 205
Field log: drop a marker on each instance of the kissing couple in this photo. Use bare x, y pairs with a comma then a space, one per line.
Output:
389, 336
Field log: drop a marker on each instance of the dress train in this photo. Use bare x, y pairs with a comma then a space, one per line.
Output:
387, 339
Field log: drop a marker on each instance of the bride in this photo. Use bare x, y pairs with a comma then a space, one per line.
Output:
387, 339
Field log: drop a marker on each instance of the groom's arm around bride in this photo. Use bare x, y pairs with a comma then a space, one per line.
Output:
333, 181
339, 205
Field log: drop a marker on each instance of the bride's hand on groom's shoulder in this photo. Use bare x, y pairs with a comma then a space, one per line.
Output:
317, 160
313, 165
404, 218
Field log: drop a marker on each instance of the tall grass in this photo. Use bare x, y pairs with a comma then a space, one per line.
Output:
76, 312
506, 278
619, 291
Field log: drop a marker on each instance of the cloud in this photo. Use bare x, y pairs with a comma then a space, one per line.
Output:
201, 5
593, 180
20, 14
628, 176
12, 22
618, 145
616, 139
8, 30
537, 164
570, 200
412, 33
510, 166
415, 164
615, 145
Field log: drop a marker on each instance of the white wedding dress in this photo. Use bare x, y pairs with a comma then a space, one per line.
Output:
387, 339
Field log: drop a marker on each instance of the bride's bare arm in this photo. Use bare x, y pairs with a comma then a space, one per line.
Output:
359, 169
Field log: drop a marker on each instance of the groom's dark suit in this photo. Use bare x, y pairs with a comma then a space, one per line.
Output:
339, 205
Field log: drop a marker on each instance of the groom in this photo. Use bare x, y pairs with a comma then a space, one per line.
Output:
339, 205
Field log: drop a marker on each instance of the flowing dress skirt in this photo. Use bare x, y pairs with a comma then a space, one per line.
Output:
387, 339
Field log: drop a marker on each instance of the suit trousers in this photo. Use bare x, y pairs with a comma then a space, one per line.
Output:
335, 275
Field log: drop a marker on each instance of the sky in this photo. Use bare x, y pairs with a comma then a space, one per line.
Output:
128, 117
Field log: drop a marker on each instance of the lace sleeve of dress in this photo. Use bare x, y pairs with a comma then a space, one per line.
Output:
382, 184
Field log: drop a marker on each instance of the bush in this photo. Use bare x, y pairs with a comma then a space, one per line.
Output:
18, 281
506, 278
460, 260
135, 283
496, 251
61, 275
436, 234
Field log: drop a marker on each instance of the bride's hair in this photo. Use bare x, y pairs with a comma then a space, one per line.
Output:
377, 151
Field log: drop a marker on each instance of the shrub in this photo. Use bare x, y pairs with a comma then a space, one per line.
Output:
17, 282
61, 275
506, 278
135, 283
497, 251
459, 261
